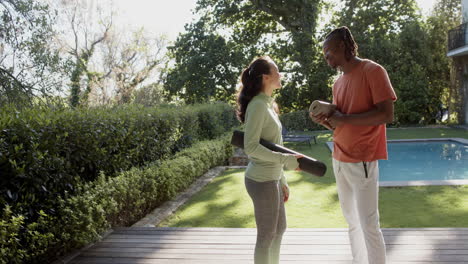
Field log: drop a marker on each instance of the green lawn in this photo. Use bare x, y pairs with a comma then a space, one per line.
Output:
314, 201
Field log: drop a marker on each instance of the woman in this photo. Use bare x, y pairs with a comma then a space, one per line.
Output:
264, 178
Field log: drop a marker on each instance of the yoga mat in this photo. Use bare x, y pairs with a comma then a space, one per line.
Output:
320, 107
307, 164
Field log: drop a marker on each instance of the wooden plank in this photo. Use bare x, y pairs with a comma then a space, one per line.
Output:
284, 246
286, 240
286, 236
343, 234
83, 260
156, 255
302, 233
227, 229
234, 245
87, 260
297, 251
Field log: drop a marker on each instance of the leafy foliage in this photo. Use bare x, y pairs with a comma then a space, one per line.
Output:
45, 154
299, 121
106, 202
385, 31
232, 32
445, 16
207, 64
29, 66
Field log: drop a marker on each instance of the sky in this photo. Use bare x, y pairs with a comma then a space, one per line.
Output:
169, 16
156, 16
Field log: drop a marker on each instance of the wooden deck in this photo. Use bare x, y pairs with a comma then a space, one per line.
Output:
234, 245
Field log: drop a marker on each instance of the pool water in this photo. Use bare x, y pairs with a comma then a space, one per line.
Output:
426, 160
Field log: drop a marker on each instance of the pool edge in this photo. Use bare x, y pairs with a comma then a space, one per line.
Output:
459, 140
421, 183
418, 183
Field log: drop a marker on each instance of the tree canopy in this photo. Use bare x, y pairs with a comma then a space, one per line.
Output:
88, 61
212, 52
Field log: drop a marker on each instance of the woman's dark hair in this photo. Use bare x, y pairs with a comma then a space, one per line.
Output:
344, 34
251, 83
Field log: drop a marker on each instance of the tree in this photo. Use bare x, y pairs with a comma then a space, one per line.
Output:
445, 16
108, 62
30, 65
149, 95
87, 32
385, 31
418, 101
207, 65
310, 76
245, 29
134, 61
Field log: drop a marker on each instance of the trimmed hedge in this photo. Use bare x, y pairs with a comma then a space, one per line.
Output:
299, 121
108, 201
45, 154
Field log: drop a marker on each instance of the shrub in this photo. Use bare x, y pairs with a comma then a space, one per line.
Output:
106, 202
299, 121
45, 153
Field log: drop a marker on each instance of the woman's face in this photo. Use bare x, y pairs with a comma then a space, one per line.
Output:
273, 79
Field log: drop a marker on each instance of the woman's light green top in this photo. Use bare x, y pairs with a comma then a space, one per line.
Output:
261, 121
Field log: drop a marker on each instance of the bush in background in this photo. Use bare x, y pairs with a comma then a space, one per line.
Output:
106, 202
44, 153
299, 121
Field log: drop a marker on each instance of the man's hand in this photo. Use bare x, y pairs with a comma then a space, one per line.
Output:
381, 113
322, 120
337, 119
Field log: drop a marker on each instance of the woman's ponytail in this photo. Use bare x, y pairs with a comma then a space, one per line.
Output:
251, 84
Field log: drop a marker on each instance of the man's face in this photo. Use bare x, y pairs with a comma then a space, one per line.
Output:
333, 53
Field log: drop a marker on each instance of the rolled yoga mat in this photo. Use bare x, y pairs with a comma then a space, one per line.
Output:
306, 164
320, 107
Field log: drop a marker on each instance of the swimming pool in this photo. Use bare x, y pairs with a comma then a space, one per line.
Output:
425, 162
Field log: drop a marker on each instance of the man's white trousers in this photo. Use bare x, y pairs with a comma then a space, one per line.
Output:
358, 191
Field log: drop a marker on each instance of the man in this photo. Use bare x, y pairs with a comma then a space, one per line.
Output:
364, 98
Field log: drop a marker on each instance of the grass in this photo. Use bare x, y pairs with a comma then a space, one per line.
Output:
314, 201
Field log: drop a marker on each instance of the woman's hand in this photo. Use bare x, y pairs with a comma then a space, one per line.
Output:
285, 192
298, 157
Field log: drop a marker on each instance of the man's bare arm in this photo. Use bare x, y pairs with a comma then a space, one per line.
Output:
382, 113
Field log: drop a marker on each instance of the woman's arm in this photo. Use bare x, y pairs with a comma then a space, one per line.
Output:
255, 118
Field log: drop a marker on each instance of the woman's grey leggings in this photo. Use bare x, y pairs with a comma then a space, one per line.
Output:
270, 217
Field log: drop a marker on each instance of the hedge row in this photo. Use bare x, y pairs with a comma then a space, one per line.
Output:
45, 154
299, 121
106, 202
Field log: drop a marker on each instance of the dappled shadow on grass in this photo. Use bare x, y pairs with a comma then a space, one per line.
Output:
319, 152
214, 205
398, 203
409, 207
424, 206
209, 215
212, 190
397, 208
324, 185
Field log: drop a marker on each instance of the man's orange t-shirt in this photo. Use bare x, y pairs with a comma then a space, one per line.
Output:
357, 92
